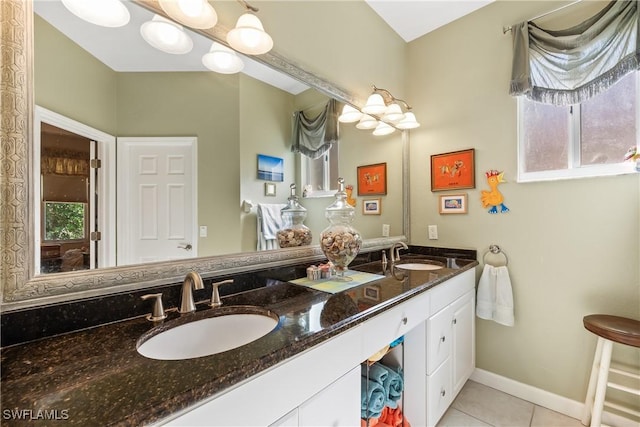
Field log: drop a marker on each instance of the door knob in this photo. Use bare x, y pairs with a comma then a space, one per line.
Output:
186, 247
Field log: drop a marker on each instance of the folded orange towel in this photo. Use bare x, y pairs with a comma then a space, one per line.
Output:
392, 417
372, 422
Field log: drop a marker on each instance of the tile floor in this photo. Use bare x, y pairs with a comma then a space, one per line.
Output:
479, 406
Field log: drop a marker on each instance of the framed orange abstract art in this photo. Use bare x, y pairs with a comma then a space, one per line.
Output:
453, 171
372, 180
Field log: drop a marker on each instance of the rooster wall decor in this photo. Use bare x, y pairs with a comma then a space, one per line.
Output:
349, 191
494, 198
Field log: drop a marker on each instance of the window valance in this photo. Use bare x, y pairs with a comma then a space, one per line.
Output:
570, 66
314, 137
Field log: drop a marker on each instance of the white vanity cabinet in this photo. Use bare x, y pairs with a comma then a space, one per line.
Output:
321, 386
440, 352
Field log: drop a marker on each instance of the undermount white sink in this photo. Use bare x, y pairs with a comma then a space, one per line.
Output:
418, 266
207, 336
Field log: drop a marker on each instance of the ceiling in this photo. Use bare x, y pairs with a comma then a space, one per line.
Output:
409, 18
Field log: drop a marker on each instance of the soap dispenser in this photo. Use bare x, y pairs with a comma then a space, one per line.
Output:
293, 232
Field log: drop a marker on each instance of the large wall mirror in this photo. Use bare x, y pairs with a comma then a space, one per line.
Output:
230, 119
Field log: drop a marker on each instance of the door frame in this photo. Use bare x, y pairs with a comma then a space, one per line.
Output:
106, 186
123, 189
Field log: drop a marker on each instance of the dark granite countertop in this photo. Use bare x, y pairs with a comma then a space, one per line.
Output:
96, 377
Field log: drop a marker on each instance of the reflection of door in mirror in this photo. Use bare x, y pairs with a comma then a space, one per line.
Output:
157, 210
73, 188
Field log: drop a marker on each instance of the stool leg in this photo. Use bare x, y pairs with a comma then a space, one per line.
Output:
591, 390
601, 389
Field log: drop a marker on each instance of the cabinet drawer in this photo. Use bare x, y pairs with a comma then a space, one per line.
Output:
447, 292
393, 323
439, 394
438, 339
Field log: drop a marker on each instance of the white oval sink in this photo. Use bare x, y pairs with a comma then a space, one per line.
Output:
418, 266
207, 336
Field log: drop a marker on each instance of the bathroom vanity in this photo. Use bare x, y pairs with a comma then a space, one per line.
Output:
304, 372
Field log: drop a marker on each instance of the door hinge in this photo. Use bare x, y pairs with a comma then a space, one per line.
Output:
96, 163
95, 236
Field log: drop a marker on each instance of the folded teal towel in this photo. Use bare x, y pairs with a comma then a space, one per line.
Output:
373, 398
391, 380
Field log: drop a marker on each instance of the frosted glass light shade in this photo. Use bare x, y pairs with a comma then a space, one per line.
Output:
349, 114
375, 105
409, 121
223, 60
193, 13
383, 129
367, 122
106, 13
393, 113
166, 35
249, 36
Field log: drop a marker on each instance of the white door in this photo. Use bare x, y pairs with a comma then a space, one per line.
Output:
157, 199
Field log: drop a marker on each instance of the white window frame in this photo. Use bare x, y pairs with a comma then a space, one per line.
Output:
574, 169
326, 184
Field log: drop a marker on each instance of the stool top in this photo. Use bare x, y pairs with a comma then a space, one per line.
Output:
614, 328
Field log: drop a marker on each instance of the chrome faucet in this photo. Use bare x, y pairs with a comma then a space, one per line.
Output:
191, 281
394, 252
215, 295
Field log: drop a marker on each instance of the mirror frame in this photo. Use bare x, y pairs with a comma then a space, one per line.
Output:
21, 287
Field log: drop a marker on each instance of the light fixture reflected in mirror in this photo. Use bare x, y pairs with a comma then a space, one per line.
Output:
367, 122
349, 114
193, 13
223, 60
166, 35
106, 13
393, 113
383, 129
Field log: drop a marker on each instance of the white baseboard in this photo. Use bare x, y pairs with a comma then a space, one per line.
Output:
543, 398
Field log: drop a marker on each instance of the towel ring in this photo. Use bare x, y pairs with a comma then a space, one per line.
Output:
495, 249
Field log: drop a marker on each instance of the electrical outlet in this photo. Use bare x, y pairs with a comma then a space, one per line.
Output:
433, 232
203, 231
385, 230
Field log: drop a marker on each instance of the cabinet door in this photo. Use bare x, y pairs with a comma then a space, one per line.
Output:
439, 395
438, 339
463, 340
336, 405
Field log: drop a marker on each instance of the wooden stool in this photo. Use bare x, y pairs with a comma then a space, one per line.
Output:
609, 329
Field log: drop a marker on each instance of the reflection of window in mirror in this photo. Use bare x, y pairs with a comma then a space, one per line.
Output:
321, 175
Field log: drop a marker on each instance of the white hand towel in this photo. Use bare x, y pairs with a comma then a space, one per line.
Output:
495, 296
271, 219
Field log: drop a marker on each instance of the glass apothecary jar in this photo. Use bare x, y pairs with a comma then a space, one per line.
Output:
340, 241
293, 232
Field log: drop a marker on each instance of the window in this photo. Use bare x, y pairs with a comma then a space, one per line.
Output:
582, 140
321, 174
64, 221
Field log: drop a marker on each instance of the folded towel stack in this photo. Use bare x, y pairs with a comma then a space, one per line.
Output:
381, 380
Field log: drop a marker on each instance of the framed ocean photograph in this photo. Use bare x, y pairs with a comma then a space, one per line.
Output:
270, 168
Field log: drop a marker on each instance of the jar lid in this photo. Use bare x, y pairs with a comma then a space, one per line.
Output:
340, 204
293, 206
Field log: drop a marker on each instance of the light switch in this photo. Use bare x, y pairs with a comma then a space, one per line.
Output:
433, 232
385, 230
203, 231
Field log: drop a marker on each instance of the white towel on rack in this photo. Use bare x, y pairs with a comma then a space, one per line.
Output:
495, 296
269, 222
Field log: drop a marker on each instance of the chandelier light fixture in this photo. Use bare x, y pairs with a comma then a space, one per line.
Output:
382, 112
223, 60
166, 35
192, 13
106, 13
249, 36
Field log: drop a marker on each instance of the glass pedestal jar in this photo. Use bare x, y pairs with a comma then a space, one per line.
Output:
293, 233
340, 241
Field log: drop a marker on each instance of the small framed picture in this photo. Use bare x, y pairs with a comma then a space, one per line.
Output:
453, 204
270, 189
371, 207
270, 168
372, 180
372, 292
